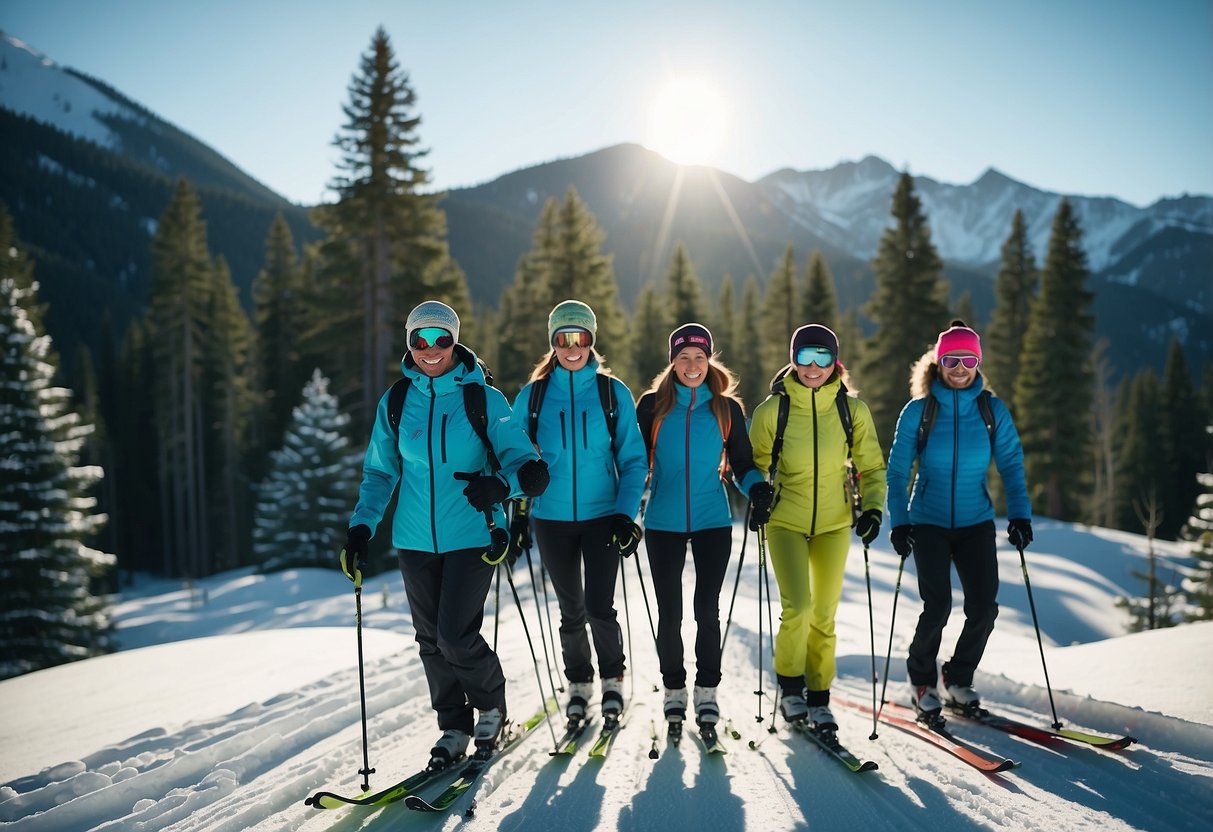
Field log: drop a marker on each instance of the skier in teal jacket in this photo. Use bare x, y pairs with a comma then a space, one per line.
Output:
585, 519
440, 531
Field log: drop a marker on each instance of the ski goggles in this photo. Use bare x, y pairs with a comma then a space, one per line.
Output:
430, 336
950, 362
814, 355
570, 338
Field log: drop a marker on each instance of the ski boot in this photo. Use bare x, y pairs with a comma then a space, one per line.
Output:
926, 702
488, 731
675, 712
451, 747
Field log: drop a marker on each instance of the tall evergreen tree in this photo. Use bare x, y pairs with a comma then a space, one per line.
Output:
1141, 466
48, 612
1183, 441
385, 248
748, 362
580, 269
780, 311
307, 491
684, 294
1199, 530
652, 326
1014, 288
279, 314
819, 300
850, 348
1053, 391
724, 322
177, 317
909, 308
525, 305
228, 405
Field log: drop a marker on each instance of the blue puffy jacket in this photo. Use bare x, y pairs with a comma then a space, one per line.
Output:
686, 493
436, 441
590, 477
950, 488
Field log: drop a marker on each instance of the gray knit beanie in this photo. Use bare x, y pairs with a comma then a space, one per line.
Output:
432, 313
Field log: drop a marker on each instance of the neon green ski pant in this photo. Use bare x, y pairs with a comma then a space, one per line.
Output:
809, 573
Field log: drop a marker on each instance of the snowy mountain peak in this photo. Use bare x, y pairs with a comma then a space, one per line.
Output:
34, 85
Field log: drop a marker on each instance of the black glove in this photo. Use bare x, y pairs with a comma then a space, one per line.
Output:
520, 535
868, 526
533, 477
761, 494
353, 556
1019, 530
903, 540
483, 490
625, 534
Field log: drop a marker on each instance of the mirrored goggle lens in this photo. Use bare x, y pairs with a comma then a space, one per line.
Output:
431, 336
573, 338
949, 362
814, 355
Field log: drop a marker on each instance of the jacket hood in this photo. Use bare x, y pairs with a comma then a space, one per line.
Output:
467, 370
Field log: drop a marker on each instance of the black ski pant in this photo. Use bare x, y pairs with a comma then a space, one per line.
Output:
446, 596
973, 550
710, 549
565, 546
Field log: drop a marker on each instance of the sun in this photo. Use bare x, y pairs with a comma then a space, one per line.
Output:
687, 121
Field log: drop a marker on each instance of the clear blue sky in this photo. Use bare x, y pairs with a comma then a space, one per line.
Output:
1079, 96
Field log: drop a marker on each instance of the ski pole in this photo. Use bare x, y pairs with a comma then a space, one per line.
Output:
867, 575
648, 610
745, 536
547, 609
366, 771
534, 658
1035, 623
496, 605
762, 564
766, 577
627, 619
885, 679
499, 540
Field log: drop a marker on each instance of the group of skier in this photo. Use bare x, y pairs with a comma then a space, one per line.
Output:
579, 452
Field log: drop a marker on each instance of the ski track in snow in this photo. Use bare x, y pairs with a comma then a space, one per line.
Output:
251, 768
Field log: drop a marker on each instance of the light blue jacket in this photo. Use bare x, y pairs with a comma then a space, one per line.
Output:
686, 493
436, 441
590, 477
950, 489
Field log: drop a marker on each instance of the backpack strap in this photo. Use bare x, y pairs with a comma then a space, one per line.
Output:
539, 389
930, 409
475, 404
610, 405
781, 424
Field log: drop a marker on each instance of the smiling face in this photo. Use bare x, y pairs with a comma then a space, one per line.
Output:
691, 366
433, 350
814, 366
958, 377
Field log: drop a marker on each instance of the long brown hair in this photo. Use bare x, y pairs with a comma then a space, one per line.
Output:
721, 381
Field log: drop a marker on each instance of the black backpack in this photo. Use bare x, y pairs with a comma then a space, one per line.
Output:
930, 410
475, 404
606, 397
843, 405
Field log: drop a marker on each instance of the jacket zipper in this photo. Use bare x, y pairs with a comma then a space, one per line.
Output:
813, 524
573, 440
687, 475
955, 449
444, 437
430, 448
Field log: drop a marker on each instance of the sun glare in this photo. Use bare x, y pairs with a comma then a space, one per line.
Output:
687, 121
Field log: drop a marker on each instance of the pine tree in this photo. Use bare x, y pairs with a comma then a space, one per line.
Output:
1183, 421
909, 308
385, 249
684, 294
177, 319
780, 312
48, 612
748, 362
652, 327
724, 322
1014, 288
1141, 468
228, 409
279, 315
850, 349
306, 493
1053, 391
525, 305
819, 301
1199, 529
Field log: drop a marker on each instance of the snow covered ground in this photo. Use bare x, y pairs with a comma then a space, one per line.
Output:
235, 700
